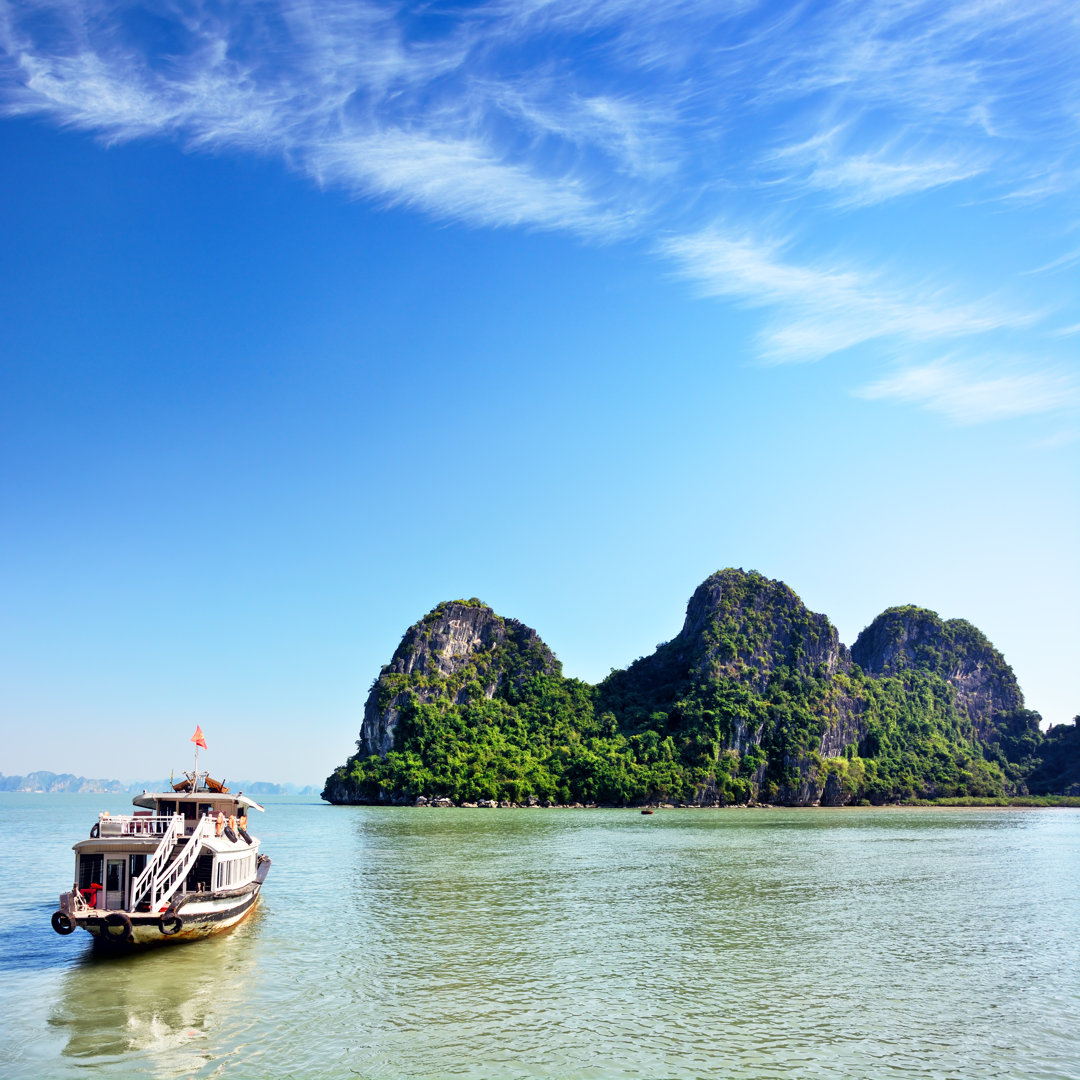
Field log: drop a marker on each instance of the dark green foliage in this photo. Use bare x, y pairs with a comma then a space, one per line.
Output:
1058, 773
918, 744
544, 739
739, 706
1013, 740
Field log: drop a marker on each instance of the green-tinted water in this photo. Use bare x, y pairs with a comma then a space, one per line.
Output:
540, 943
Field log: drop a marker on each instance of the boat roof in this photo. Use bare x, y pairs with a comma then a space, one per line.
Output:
148, 799
97, 845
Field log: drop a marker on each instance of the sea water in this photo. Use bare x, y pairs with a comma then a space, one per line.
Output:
400, 943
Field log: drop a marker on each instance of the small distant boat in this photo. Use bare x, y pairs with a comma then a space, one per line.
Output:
646, 811
182, 867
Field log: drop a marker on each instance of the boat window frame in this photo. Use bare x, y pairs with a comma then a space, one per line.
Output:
87, 872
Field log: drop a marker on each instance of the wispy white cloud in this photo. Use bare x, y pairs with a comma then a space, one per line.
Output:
603, 88
351, 105
1063, 262
830, 161
648, 119
635, 136
457, 178
970, 394
820, 308
869, 178
967, 62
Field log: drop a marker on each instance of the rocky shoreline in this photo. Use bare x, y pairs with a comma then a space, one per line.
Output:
546, 804
1018, 803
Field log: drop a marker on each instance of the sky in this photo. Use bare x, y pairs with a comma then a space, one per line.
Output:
316, 314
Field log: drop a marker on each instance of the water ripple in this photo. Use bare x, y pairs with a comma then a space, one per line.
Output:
395, 943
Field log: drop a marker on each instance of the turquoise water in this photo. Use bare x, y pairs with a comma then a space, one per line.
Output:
405, 943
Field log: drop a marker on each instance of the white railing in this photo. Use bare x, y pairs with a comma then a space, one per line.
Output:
135, 824
173, 826
172, 877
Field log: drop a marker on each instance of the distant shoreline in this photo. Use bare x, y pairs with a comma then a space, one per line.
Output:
44, 782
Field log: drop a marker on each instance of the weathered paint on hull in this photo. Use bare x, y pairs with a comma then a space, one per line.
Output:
200, 921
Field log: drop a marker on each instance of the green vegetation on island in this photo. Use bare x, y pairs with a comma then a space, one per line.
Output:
754, 700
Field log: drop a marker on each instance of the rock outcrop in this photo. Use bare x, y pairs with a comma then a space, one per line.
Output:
913, 638
747, 630
744, 625
460, 650
756, 698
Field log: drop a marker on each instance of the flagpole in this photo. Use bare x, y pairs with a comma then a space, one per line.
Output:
198, 740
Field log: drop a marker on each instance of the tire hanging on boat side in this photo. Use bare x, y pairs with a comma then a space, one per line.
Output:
62, 922
170, 922
115, 919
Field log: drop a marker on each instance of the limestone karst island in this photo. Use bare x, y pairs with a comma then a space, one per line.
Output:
755, 700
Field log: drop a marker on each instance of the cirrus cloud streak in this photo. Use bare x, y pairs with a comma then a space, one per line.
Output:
622, 119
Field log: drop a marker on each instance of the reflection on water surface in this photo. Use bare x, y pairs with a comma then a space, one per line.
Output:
160, 1004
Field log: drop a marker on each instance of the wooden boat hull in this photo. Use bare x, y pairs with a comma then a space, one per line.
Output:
198, 915
197, 921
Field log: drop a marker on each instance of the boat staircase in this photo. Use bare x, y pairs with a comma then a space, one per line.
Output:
161, 878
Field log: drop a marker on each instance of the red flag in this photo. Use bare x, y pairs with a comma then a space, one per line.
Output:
197, 738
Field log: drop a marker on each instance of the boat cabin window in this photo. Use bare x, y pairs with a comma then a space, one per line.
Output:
166, 807
232, 872
91, 868
137, 864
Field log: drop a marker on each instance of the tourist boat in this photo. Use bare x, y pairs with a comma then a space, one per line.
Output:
183, 866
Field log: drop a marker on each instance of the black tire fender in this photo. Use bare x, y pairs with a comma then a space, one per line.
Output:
62, 922
115, 920
230, 834
245, 837
170, 922
95, 831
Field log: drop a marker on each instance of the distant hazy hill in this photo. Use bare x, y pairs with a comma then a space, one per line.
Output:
755, 699
58, 782
264, 787
51, 782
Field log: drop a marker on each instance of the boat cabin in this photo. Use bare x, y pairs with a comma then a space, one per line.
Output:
177, 843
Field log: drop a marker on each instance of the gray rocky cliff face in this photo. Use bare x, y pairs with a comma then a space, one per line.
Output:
337, 792
847, 727
743, 627
912, 638
747, 625
454, 640
442, 645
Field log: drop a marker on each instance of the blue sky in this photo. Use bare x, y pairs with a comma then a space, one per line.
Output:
317, 314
